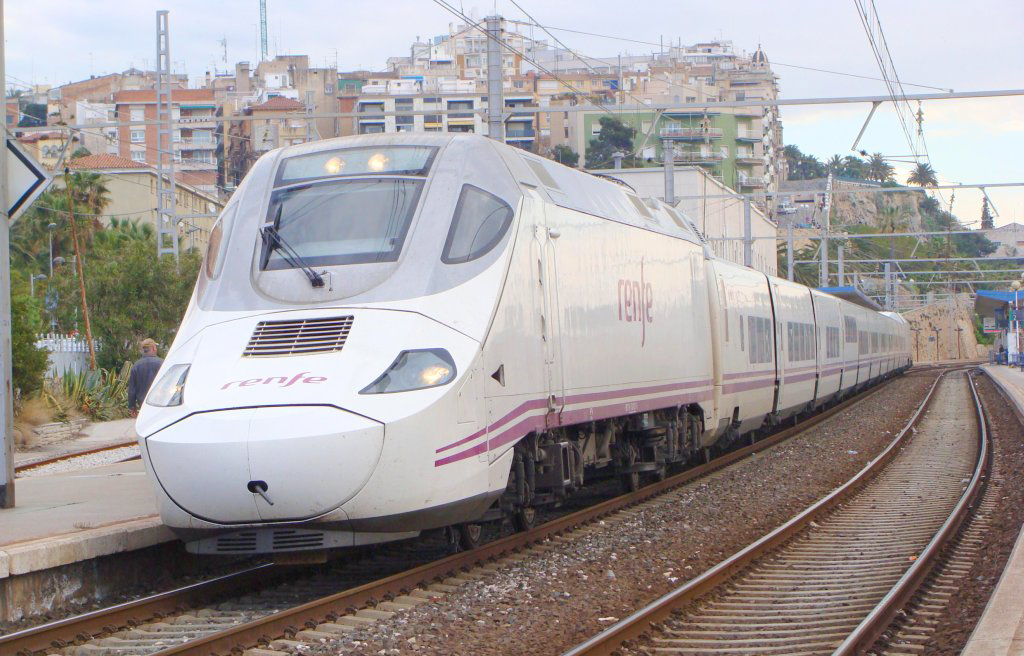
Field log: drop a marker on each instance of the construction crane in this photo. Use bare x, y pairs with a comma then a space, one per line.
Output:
263, 30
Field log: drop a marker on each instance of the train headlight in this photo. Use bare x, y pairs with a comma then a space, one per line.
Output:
413, 370
170, 389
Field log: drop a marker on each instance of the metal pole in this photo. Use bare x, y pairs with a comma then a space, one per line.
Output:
937, 331
748, 244
842, 268
823, 275
6, 409
668, 156
495, 100
888, 285
789, 251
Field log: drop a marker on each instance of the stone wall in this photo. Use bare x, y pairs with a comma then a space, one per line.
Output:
946, 316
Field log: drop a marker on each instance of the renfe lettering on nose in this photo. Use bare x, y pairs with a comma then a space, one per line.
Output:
280, 381
636, 302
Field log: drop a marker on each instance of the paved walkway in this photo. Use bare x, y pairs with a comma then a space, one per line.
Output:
1001, 629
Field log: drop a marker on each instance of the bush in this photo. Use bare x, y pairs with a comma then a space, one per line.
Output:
28, 363
101, 394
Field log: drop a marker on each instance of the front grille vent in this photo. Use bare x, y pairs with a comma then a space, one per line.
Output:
298, 337
244, 542
291, 539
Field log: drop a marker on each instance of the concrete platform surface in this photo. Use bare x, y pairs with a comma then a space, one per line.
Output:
73, 516
1001, 628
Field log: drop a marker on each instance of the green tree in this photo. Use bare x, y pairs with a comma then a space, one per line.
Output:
81, 151
131, 295
923, 175
33, 114
878, 168
987, 220
802, 166
28, 363
564, 154
854, 167
615, 136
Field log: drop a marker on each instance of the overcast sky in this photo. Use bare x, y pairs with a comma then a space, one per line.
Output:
951, 44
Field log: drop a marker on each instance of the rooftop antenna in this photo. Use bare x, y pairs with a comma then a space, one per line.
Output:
263, 30
224, 44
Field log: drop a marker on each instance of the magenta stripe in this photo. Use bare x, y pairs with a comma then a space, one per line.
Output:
746, 374
801, 377
535, 422
747, 385
577, 398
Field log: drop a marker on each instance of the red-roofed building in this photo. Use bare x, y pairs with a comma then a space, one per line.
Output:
194, 140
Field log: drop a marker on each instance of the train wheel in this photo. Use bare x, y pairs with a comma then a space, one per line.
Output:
470, 536
524, 518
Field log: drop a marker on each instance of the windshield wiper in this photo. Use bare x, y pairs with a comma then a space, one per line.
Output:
273, 239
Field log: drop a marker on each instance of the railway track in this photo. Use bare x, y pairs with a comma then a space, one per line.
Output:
215, 618
76, 454
832, 579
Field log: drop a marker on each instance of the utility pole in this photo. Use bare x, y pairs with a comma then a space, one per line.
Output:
823, 275
495, 98
789, 250
842, 272
937, 331
668, 156
6, 404
958, 352
263, 30
917, 344
78, 266
166, 188
748, 241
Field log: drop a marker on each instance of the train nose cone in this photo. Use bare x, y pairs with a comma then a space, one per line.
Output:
265, 464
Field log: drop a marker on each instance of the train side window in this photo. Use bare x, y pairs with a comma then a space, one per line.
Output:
481, 220
214, 250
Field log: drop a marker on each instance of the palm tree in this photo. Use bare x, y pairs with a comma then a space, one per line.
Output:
854, 167
879, 169
835, 164
923, 175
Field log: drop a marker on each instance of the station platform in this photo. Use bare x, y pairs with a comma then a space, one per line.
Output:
64, 522
1001, 628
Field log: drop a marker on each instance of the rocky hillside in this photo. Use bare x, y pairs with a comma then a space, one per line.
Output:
947, 316
866, 209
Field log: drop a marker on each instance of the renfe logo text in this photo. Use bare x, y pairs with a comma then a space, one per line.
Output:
280, 381
636, 302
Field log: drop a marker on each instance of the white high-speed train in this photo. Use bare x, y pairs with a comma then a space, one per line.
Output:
397, 333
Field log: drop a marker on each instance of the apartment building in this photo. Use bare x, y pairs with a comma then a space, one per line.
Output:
101, 88
132, 190
459, 109
48, 147
193, 143
739, 146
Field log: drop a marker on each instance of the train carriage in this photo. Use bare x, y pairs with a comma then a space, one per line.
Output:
399, 333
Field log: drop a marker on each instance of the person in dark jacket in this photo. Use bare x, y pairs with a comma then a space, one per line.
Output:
142, 374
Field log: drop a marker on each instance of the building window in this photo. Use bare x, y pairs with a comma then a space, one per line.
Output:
138, 136
138, 156
328, 88
138, 114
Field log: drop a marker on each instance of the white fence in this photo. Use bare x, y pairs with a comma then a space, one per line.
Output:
66, 353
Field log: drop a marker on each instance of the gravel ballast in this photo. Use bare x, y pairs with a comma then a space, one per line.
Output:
86, 461
961, 615
571, 588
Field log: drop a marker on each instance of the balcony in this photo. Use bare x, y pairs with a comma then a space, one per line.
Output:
517, 135
195, 144
521, 117
748, 135
749, 111
697, 158
751, 181
196, 122
748, 158
690, 133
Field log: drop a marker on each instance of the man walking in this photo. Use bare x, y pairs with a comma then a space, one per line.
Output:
142, 374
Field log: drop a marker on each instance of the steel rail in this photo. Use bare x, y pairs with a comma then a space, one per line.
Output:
61, 633
81, 628
263, 630
640, 622
75, 454
881, 616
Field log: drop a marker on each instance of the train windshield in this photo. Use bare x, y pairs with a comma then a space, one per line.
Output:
393, 160
342, 221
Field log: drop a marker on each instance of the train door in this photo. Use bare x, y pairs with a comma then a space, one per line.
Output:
546, 236
777, 314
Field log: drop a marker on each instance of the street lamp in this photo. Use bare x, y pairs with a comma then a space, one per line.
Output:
51, 228
32, 282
